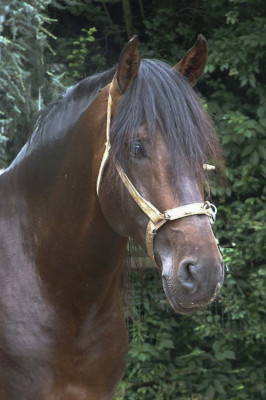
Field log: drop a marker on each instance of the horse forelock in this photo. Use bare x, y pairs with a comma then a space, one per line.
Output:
161, 99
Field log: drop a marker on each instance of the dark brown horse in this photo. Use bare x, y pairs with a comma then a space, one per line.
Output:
62, 330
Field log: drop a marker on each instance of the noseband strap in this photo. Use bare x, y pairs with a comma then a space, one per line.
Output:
176, 213
157, 218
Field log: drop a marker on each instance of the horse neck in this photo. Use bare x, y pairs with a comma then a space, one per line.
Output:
77, 254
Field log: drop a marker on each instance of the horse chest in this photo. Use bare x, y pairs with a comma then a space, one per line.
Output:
74, 359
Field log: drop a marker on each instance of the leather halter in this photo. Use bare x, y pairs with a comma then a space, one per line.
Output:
157, 218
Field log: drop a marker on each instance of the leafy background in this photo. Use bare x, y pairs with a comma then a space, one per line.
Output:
46, 45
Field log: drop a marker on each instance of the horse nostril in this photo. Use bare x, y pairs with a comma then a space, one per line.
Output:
195, 275
187, 273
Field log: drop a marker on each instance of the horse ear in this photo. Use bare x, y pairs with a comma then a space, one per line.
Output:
193, 63
128, 65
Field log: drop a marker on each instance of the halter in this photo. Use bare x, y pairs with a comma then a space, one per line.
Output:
156, 218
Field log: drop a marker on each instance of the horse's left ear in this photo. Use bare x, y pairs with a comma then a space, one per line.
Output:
193, 63
128, 65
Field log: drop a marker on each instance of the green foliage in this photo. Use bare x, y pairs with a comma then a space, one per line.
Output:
25, 83
215, 354
78, 55
3, 157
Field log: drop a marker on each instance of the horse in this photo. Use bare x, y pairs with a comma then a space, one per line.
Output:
120, 155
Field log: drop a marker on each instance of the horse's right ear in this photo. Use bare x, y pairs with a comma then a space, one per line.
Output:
128, 66
193, 63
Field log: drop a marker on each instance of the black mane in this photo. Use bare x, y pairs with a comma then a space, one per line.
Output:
71, 105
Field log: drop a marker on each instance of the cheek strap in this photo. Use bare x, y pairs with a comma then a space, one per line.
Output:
158, 219
107, 143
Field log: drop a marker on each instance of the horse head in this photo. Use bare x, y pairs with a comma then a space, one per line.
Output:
151, 178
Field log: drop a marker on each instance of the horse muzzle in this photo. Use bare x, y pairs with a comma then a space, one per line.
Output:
194, 284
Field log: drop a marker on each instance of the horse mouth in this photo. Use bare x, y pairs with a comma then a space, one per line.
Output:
189, 308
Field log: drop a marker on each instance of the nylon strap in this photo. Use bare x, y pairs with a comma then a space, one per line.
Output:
148, 208
191, 209
107, 143
176, 213
208, 167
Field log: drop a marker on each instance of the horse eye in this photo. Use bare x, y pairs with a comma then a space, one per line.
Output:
136, 150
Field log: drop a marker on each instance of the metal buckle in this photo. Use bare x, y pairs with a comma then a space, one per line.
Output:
166, 216
210, 210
